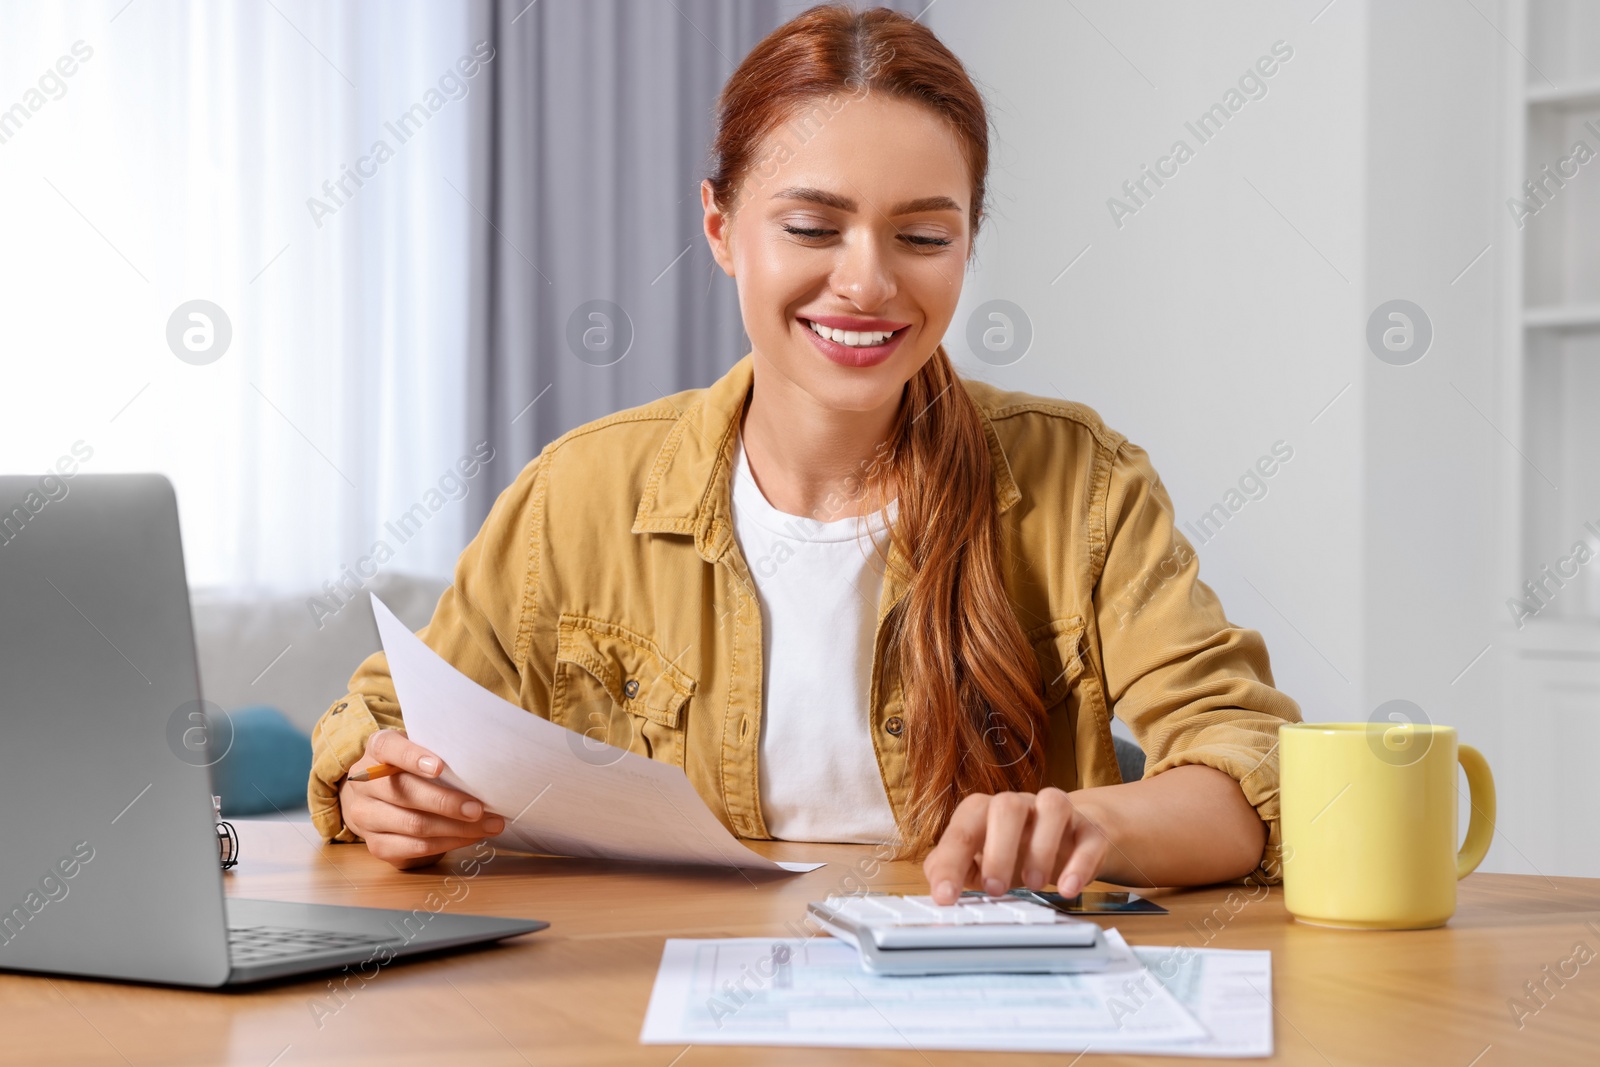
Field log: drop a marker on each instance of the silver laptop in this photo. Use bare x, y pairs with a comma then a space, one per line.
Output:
110, 863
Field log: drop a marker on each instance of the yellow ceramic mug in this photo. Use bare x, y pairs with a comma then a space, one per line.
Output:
1369, 822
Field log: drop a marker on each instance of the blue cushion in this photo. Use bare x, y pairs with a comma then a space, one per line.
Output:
266, 765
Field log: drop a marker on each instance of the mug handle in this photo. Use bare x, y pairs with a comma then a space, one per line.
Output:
1480, 831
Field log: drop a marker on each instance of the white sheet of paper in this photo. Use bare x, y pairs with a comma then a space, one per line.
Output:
560, 792
1228, 990
814, 992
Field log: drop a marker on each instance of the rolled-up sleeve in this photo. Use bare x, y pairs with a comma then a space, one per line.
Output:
1192, 687
481, 625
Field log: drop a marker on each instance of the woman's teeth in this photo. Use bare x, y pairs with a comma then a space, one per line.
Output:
852, 338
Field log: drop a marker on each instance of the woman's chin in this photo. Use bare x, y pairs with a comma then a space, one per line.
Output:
865, 390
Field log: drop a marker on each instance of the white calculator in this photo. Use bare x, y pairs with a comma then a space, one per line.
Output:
913, 935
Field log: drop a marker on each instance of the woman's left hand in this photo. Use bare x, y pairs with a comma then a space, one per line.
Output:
995, 841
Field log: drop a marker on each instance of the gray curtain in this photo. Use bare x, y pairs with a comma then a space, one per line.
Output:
588, 150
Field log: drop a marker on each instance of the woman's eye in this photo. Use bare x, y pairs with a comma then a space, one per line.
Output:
920, 240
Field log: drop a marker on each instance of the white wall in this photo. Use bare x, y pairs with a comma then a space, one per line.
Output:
1439, 503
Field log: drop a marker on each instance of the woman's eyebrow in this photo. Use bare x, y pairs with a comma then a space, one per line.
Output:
844, 203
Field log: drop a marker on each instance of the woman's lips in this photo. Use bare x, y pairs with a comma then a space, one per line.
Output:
854, 355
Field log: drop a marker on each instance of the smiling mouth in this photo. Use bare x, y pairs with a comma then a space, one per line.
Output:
852, 338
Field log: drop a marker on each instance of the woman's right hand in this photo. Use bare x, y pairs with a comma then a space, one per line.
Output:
408, 819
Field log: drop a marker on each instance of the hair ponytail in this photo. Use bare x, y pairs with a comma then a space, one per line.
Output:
970, 682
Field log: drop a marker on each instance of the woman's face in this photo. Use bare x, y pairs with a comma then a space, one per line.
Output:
855, 218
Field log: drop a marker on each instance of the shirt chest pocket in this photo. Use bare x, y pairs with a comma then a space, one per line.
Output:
615, 690
1058, 646
1070, 699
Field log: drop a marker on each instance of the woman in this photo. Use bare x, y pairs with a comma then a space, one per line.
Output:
855, 597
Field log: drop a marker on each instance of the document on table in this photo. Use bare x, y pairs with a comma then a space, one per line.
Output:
1228, 990
560, 792
814, 992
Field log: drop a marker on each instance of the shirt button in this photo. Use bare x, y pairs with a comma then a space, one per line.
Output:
631, 688
337, 708
894, 725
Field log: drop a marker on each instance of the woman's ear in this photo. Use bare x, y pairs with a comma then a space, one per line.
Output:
719, 229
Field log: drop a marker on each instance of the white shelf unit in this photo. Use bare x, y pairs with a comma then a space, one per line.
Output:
1559, 308
1552, 697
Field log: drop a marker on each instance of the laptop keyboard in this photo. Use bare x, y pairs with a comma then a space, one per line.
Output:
263, 944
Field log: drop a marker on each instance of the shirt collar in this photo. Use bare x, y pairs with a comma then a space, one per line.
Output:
687, 489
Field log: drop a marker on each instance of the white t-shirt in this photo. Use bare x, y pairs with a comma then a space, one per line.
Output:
818, 584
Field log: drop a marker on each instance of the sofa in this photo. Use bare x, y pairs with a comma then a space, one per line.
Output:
273, 665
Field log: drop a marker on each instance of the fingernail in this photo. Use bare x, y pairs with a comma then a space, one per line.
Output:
946, 891
472, 809
1033, 879
429, 764
993, 886
494, 824
1069, 886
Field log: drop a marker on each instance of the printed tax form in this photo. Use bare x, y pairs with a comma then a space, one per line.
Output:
813, 992
556, 797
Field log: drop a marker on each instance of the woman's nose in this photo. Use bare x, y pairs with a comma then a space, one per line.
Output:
865, 275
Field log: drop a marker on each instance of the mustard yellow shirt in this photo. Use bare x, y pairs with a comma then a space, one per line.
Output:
606, 591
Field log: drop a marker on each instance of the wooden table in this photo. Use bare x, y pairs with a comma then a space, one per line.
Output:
576, 993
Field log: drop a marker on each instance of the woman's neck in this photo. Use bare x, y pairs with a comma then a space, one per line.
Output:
811, 460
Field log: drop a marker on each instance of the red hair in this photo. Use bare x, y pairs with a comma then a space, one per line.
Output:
974, 705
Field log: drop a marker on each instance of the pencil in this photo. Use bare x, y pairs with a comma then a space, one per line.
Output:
377, 770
